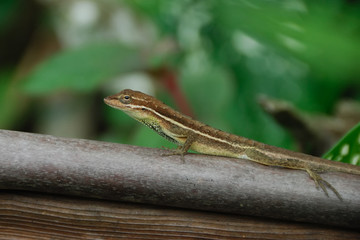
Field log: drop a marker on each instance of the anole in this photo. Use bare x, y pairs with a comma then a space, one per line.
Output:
188, 133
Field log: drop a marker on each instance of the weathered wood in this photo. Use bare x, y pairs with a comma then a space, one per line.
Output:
36, 216
119, 172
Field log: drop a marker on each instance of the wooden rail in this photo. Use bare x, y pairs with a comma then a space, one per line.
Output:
42, 216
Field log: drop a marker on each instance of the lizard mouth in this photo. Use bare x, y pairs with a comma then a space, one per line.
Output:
112, 101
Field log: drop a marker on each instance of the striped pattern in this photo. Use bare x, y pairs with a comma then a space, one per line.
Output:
176, 126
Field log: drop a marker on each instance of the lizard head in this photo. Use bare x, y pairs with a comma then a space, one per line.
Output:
136, 104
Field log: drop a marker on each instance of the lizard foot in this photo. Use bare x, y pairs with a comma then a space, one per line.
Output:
177, 151
319, 182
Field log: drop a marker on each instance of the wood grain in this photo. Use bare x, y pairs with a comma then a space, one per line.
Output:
76, 167
42, 216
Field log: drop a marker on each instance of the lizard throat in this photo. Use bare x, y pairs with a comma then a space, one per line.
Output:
157, 128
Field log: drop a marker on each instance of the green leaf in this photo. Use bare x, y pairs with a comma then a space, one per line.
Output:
347, 149
304, 30
82, 69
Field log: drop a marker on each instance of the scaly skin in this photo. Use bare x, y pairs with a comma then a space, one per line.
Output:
188, 134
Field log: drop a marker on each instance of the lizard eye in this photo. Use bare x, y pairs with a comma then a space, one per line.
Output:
125, 99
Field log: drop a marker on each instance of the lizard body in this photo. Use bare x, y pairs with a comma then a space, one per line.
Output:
188, 133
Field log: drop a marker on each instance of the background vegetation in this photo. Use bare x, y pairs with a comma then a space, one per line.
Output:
209, 59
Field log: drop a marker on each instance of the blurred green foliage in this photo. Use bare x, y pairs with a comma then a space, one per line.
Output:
228, 52
95, 63
8, 8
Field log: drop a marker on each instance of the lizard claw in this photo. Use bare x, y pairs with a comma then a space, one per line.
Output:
319, 182
177, 151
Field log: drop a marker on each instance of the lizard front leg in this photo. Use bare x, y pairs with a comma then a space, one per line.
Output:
182, 149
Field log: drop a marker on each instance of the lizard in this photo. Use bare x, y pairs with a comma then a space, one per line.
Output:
188, 134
